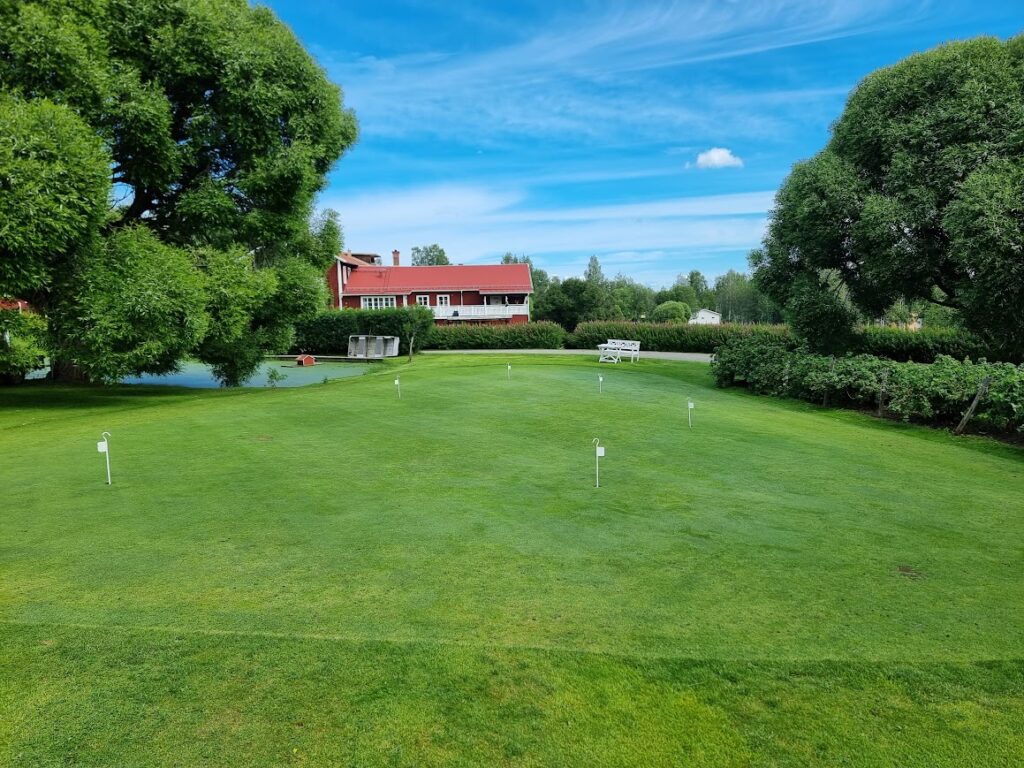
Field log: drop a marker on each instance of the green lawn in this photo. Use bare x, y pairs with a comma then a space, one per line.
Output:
331, 576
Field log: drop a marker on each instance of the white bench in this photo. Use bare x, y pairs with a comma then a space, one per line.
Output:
614, 350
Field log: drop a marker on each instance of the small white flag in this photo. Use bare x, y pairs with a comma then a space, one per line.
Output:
600, 451
101, 446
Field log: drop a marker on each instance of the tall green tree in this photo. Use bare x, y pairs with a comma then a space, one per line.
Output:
429, 256
917, 195
203, 122
631, 300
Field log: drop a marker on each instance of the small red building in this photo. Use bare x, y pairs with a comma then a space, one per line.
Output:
305, 360
473, 293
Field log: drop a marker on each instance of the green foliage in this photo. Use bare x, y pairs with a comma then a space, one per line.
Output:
818, 315
938, 393
667, 337
917, 195
538, 276
137, 307
540, 335
54, 180
681, 292
236, 293
22, 344
327, 333
429, 256
218, 130
918, 346
738, 300
671, 312
631, 300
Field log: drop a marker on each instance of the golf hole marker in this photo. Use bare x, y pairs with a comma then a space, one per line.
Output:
104, 447
398, 386
600, 384
509, 368
689, 412
598, 455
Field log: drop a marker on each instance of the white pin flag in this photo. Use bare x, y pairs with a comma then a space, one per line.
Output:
600, 383
398, 386
689, 412
599, 454
104, 447
509, 365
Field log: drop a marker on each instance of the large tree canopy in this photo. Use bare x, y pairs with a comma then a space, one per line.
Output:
918, 195
203, 122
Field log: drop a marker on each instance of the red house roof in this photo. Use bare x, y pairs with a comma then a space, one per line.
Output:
489, 278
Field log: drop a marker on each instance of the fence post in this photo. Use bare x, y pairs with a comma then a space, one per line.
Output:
982, 391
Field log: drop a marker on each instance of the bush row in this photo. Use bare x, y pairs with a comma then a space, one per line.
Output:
541, 335
328, 332
667, 337
922, 346
936, 393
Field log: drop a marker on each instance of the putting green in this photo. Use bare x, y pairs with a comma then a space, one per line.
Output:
332, 575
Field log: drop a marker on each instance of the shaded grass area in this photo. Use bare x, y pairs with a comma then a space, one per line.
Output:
332, 576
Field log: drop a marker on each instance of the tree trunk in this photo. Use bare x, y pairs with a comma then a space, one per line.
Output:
67, 371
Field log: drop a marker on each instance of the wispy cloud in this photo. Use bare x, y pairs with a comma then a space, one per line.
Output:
475, 224
591, 72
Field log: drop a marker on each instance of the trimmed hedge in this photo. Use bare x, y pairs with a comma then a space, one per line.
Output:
328, 332
668, 337
541, 335
922, 346
937, 393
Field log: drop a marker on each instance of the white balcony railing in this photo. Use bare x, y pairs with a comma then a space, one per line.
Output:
482, 311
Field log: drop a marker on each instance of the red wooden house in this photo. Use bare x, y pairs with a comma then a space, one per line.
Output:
474, 293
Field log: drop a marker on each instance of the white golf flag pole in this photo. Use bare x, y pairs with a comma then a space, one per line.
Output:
509, 367
398, 386
689, 412
600, 384
599, 452
103, 446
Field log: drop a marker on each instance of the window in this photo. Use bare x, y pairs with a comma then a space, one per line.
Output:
443, 300
378, 302
423, 300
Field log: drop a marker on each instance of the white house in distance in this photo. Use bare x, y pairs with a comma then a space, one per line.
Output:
705, 317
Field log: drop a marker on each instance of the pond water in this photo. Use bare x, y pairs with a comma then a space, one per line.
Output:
194, 374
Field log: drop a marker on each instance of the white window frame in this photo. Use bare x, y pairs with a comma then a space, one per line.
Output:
377, 302
444, 300
423, 300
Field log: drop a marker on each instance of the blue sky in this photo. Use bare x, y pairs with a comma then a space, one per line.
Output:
652, 134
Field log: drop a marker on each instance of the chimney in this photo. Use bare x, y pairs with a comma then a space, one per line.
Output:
394, 258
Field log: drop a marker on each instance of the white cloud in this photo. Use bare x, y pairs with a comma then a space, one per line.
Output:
718, 157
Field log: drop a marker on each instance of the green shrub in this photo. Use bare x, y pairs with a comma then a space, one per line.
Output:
919, 346
541, 335
936, 393
668, 337
671, 311
328, 332
22, 344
